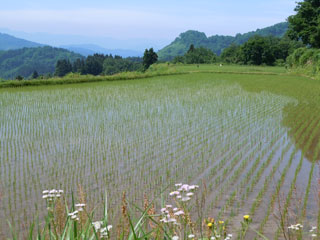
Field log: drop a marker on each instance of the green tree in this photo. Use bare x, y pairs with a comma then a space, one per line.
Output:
63, 67
149, 58
231, 54
305, 25
34, 74
94, 64
199, 56
19, 78
191, 49
78, 66
259, 50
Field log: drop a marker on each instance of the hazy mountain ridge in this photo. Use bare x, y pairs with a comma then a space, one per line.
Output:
90, 49
8, 42
215, 43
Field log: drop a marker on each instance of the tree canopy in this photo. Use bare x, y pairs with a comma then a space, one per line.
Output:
305, 25
149, 58
197, 56
261, 50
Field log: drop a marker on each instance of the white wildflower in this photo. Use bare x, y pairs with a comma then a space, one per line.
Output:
97, 225
174, 193
185, 199
179, 213
109, 227
80, 205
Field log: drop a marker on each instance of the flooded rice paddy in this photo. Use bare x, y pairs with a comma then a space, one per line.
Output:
248, 141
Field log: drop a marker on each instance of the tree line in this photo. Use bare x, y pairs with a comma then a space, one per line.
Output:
100, 64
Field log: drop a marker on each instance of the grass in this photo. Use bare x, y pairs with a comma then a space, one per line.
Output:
244, 134
155, 70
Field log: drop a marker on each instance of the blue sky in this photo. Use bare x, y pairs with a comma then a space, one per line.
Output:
159, 21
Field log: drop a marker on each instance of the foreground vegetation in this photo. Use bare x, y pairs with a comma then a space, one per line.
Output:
172, 221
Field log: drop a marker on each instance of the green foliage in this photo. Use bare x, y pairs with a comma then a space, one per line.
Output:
117, 64
305, 61
261, 50
19, 78
196, 56
78, 66
27, 60
200, 55
63, 67
215, 43
232, 54
149, 58
94, 64
305, 24
99, 64
258, 50
34, 75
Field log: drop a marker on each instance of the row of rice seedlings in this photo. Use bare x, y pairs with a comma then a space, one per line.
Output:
243, 146
313, 160
242, 163
267, 182
277, 188
245, 179
250, 176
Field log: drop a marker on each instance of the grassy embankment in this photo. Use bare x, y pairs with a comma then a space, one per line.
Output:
155, 70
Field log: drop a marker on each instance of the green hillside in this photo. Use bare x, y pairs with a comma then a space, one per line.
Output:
8, 42
27, 60
216, 43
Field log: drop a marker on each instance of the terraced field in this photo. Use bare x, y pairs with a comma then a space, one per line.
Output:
247, 139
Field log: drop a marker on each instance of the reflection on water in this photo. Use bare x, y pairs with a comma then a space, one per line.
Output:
301, 119
306, 133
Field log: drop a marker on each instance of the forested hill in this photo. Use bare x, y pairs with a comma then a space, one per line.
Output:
25, 61
216, 43
8, 42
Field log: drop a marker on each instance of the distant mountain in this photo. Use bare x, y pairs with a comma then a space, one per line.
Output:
216, 43
27, 60
8, 42
89, 49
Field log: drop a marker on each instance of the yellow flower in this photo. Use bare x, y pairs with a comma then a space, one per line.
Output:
246, 217
221, 222
209, 224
